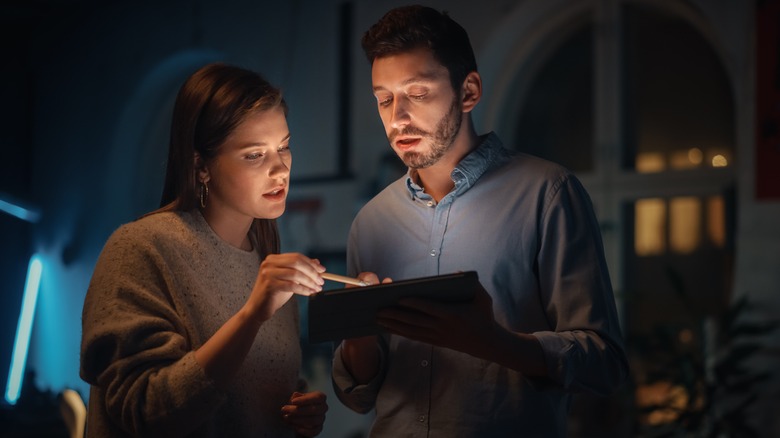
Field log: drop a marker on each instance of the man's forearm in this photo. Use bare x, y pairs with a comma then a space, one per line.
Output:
519, 351
361, 358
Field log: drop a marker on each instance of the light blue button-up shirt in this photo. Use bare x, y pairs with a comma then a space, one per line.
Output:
528, 228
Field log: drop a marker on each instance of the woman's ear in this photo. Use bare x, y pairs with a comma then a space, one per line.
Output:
471, 91
202, 170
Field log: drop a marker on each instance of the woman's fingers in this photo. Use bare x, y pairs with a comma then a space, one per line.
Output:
291, 270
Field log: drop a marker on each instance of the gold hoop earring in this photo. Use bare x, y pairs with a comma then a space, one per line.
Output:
204, 194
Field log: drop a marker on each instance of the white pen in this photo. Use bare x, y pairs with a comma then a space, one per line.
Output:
343, 279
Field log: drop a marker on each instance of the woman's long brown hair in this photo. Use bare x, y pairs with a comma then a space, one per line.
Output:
210, 105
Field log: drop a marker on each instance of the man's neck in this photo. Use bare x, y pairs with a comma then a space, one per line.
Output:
437, 179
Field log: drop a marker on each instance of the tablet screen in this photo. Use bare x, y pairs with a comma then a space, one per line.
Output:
351, 312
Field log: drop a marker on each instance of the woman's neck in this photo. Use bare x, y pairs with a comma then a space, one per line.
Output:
232, 230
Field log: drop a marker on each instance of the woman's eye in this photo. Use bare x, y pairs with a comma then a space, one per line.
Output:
284, 148
253, 156
417, 96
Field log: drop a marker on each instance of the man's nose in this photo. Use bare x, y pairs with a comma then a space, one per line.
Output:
400, 115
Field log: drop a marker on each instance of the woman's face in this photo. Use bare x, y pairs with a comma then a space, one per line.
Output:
250, 176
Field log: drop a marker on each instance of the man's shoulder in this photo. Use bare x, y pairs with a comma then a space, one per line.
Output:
393, 193
389, 200
522, 165
517, 162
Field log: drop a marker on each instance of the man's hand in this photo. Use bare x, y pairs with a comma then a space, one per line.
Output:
464, 327
305, 412
360, 355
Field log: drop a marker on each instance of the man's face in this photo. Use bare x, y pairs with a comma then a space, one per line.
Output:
420, 111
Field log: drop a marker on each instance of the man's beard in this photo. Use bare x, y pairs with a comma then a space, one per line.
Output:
441, 140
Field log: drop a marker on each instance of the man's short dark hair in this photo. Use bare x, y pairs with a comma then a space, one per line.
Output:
411, 27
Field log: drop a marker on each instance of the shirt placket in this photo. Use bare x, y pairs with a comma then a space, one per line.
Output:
423, 354
438, 227
425, 363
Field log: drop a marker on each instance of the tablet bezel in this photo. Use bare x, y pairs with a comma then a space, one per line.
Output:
351, 312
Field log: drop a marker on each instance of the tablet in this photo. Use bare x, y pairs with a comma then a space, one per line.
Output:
348, 313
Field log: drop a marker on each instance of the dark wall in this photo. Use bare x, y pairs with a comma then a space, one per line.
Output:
87, 90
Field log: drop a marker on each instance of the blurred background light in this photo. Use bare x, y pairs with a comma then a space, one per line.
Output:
14, 209
23, 331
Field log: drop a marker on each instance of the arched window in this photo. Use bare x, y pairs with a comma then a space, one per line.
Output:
634, 97
679, 111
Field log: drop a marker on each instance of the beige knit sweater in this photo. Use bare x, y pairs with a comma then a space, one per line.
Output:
161, 287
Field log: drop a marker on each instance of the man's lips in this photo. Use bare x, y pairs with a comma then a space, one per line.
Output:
406, 143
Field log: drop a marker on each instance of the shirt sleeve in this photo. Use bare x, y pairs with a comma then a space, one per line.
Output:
584, 350
360, 398
137, 350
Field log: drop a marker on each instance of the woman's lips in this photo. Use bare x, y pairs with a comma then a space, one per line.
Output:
275, 195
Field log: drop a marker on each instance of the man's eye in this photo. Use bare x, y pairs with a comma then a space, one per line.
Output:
385, 102
417, 96
283, 148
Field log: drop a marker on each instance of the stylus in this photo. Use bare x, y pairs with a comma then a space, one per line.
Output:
343, 279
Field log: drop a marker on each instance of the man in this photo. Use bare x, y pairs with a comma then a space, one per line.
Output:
546, 326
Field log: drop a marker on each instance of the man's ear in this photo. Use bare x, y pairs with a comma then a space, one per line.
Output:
471, 91
202, 170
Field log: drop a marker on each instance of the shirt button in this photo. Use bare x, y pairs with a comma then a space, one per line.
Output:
433, 253
424, 363
421, 418
430, 203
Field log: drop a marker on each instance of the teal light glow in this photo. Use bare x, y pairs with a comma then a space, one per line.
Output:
23, 330
25, 214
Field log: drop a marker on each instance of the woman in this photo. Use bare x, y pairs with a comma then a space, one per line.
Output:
188, 325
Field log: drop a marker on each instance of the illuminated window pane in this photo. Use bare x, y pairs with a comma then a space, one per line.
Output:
695, 156
649, 162
650, 227
685, 159
716, 221
684, 224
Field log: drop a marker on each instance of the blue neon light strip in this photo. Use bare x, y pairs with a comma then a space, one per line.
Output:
23, 330
22, 213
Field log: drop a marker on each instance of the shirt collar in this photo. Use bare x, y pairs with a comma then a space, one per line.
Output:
489, 154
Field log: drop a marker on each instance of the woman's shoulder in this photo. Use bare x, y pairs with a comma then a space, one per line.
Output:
154, 225
154, 230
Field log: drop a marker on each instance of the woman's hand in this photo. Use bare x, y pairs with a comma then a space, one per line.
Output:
305, 412
280, 276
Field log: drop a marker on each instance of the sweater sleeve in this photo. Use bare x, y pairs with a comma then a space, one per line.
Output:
136, 347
